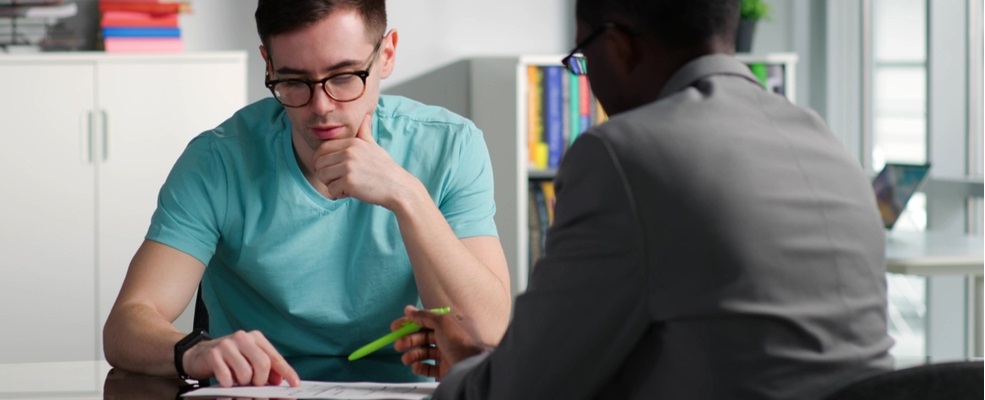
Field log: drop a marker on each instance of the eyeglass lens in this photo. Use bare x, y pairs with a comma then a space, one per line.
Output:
343, 87
576, 64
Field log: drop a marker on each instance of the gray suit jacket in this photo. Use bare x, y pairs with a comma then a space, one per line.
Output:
717, 243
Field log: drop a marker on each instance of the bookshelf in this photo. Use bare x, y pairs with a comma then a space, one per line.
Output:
492, 92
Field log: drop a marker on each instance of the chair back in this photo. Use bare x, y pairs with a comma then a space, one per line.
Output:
200, 320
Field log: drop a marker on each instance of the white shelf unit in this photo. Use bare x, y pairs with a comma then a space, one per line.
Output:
89, 139
492, 92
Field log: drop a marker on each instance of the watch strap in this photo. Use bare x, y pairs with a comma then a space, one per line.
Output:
183, 345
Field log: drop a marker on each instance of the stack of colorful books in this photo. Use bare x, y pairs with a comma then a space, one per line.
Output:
130, 26
560, 106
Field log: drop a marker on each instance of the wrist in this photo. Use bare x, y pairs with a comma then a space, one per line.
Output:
408, 199
182, 347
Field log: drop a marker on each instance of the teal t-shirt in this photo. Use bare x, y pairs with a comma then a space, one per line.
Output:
318, 277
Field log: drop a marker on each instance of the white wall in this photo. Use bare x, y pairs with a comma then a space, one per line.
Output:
433, 33
796, 26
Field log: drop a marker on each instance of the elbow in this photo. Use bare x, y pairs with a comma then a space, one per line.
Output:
112, 345
109, 351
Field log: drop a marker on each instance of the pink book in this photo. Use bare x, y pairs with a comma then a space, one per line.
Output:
143, 45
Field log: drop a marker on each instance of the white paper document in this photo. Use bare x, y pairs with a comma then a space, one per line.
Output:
324, 390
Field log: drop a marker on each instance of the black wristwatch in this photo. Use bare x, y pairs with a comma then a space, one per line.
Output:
183, 345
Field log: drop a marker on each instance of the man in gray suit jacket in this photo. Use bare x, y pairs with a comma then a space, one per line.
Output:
711, 240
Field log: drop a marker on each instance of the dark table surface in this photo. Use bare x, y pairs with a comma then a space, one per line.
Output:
90, 380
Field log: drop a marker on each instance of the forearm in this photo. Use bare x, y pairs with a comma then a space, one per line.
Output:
447, 273
137, 338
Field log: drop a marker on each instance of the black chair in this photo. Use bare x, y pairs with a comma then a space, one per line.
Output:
200, 319
942, 381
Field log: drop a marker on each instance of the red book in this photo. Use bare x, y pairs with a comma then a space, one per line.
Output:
127, 19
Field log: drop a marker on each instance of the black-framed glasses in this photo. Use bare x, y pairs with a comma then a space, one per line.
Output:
575, 61
342, 87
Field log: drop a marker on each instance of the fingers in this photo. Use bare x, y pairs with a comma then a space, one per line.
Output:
425, 369
420, 354
419, 339
247, 359
423, 318
278, 365
365, 131
398, 323
260, 361
220, 370
231, 357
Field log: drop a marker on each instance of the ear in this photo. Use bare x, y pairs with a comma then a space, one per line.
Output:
267, 65
388, 53
625, 51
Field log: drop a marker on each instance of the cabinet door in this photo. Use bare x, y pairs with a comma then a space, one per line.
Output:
153, 109
47, 221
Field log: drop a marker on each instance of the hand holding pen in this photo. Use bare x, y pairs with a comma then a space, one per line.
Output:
444, 338
398, 331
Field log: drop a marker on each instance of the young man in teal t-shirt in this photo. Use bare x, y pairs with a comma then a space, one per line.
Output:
311, 218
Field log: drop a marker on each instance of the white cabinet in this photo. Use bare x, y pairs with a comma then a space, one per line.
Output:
493, 93
87, 140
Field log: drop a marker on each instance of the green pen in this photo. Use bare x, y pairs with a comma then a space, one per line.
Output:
406, 329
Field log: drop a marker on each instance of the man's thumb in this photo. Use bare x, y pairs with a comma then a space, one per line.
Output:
365, 131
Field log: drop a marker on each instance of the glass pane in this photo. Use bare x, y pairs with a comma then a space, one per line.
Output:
899, 134
914, 216
978, 72
899, 30
979, 317
900, 115
907, 299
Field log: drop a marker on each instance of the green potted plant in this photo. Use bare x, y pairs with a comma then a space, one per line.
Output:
750, 11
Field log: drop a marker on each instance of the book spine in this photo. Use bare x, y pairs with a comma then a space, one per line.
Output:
143, 45
127, 19
534, 105
141, 32
600, 115
566, 111
554, 124
585, 104
547, 186
574, 108
145, 7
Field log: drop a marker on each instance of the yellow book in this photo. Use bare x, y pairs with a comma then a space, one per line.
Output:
542, 154
548, 188
534, 106
600, 113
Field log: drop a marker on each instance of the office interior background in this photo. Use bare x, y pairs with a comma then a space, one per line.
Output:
896, 80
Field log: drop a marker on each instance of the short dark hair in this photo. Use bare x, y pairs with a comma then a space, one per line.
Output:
681, 24
274, 17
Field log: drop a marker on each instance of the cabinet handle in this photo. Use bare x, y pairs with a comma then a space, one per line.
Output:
89, 135
105, 134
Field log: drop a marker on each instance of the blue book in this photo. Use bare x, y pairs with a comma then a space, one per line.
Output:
554, 114
141, 32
